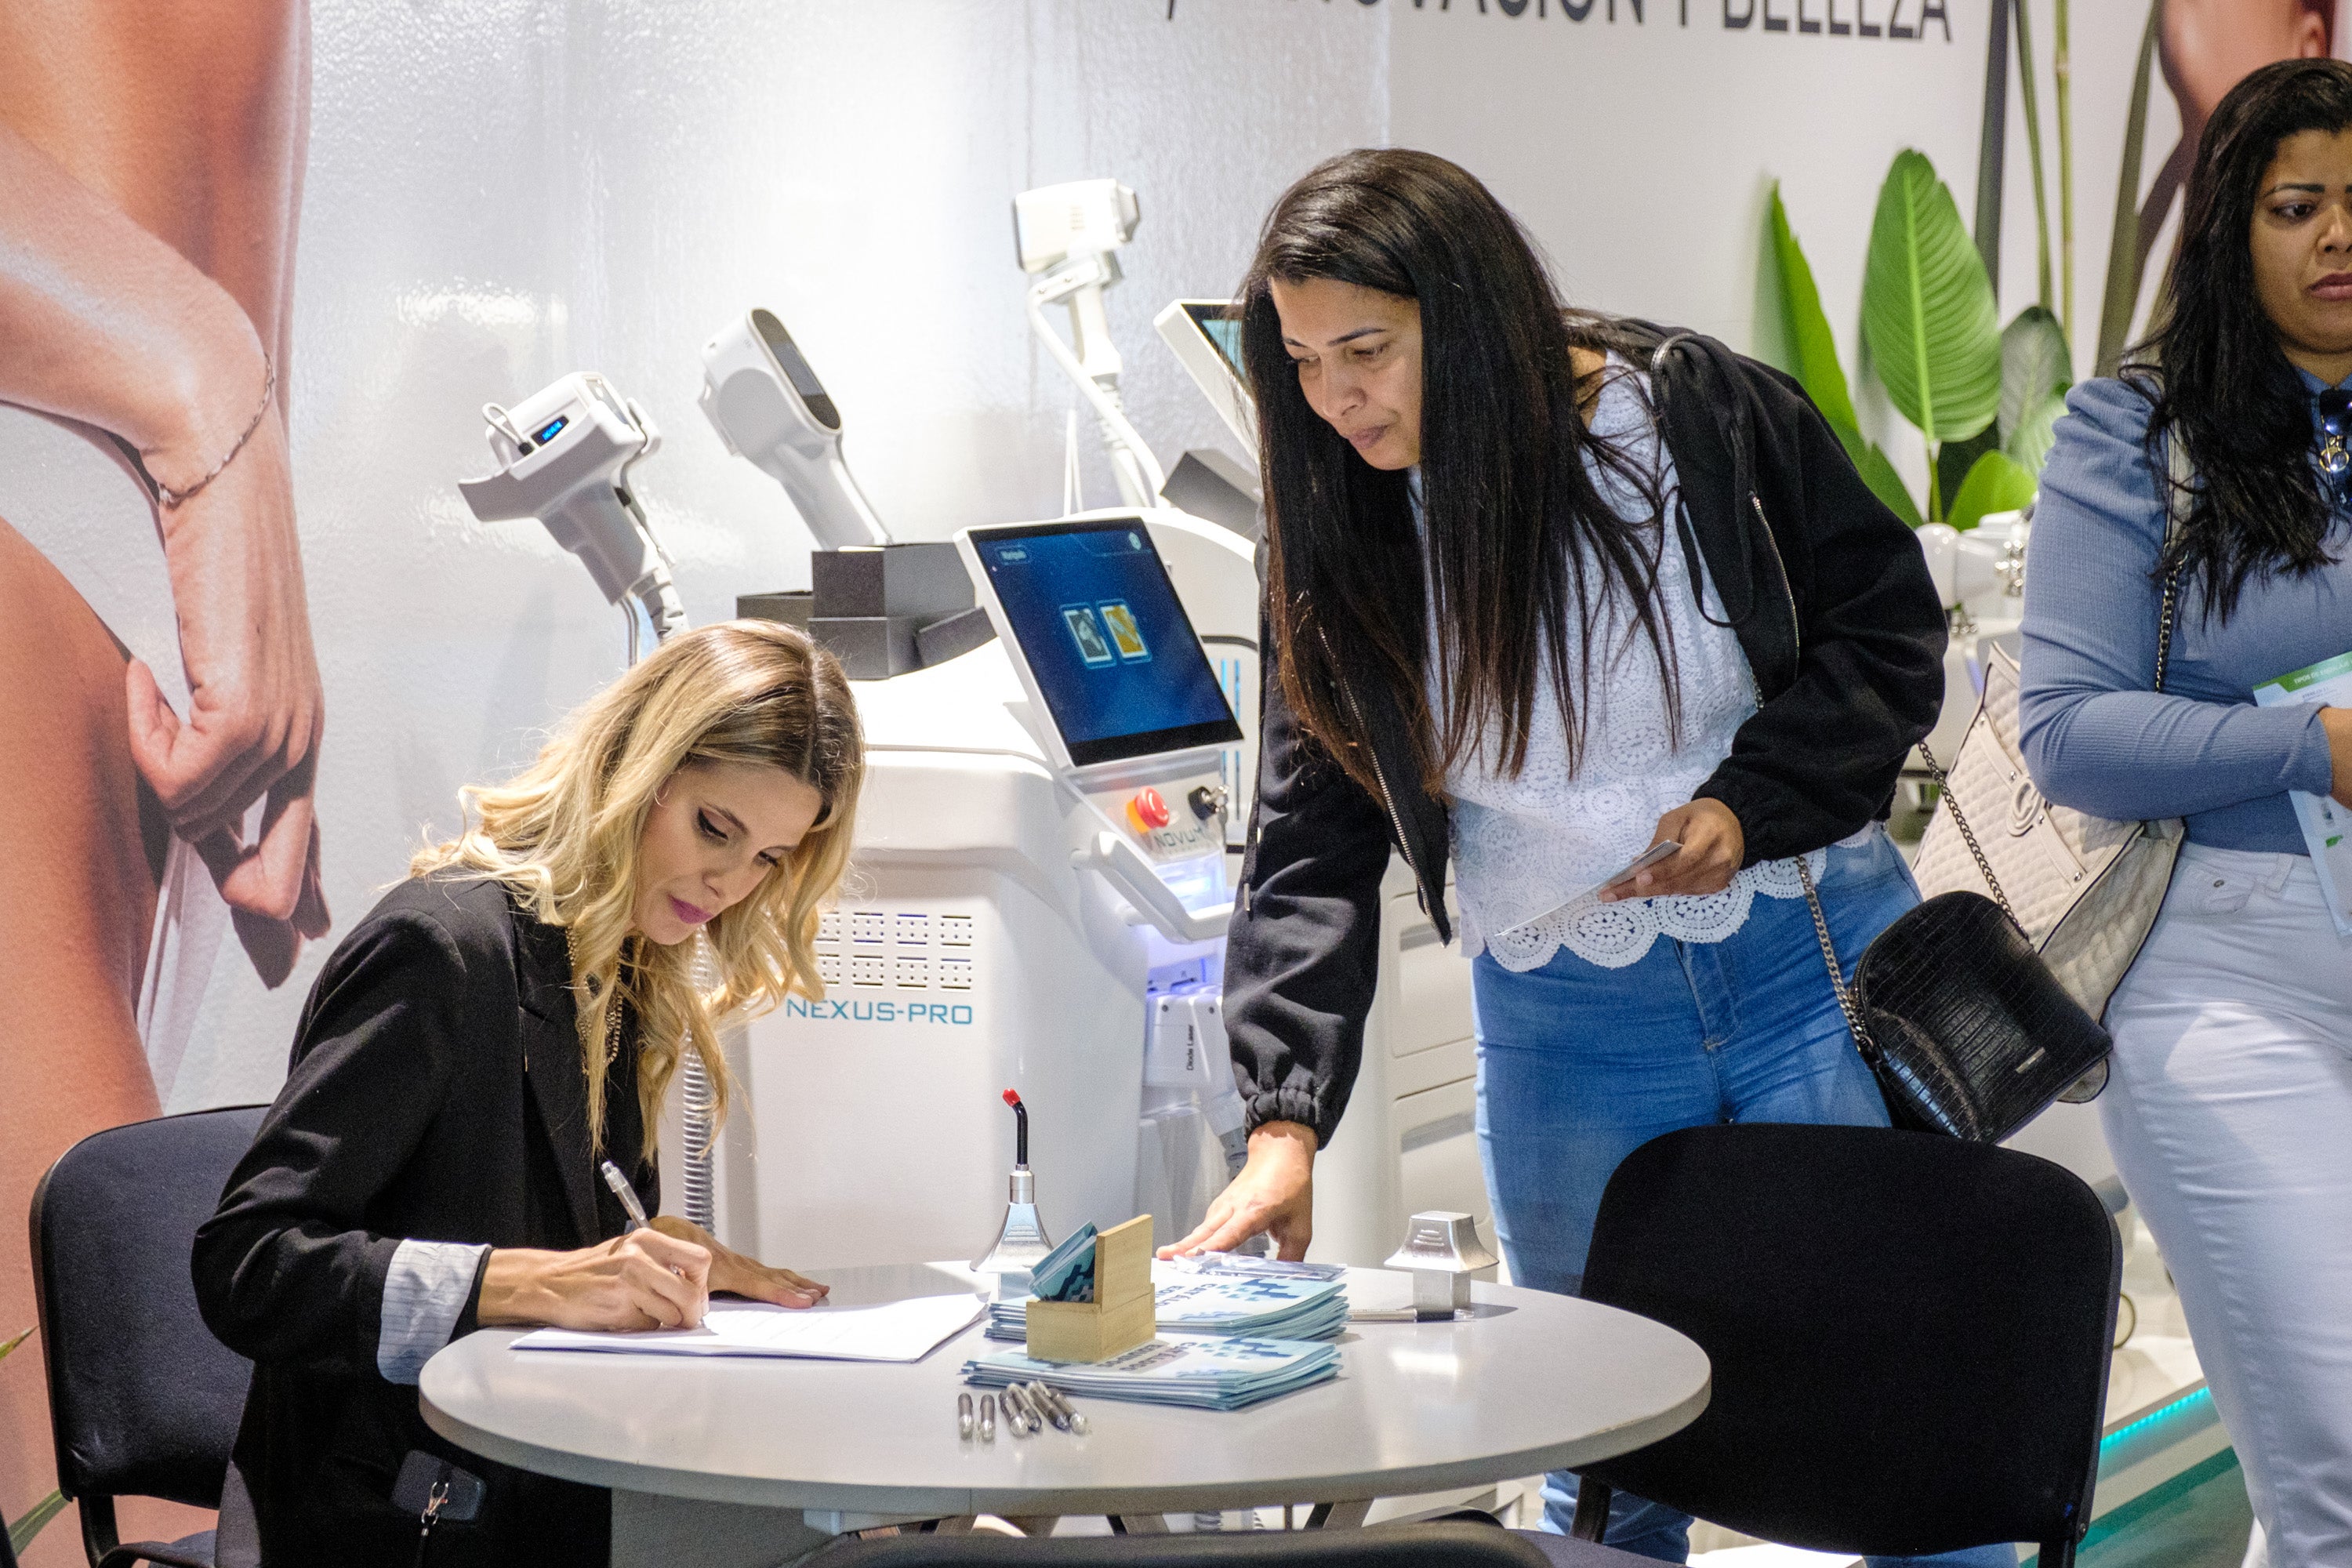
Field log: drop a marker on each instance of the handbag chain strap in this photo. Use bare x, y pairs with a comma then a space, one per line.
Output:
2176, 507
1845, 1001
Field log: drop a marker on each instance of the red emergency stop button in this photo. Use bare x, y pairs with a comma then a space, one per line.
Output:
1146, 810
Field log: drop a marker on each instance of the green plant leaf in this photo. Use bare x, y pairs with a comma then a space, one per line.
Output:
1927, 308
21, 1534
1818, 371
1809, 339
1878, 472
2035, 361
1997, 483
2029, 444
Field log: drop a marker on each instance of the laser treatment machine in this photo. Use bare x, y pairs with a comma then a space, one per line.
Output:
1042, 847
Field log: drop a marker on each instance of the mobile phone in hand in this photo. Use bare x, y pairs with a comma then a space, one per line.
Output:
1665, 849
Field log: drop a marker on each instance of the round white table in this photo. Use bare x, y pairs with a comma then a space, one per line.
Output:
737, 1462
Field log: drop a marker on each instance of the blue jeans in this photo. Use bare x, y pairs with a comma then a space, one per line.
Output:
1579, 1065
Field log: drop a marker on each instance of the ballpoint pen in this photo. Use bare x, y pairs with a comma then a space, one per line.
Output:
626, 1194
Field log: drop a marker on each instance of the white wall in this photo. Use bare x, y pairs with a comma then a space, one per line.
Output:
1642, 153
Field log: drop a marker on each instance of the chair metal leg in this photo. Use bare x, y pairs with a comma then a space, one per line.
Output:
1591, 1510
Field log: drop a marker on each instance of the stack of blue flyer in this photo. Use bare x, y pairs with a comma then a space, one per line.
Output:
1264, 1306
1203, 1371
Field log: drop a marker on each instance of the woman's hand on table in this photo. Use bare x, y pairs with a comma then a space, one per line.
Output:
739, 1276
1274, 1195
1712, 849
645, 1280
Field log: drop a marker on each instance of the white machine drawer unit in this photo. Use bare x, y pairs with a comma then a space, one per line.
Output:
1012, 861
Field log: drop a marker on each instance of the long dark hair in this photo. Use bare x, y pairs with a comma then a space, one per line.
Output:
1521, 545
2224, 387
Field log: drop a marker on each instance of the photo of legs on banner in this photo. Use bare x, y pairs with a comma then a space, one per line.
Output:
150, 172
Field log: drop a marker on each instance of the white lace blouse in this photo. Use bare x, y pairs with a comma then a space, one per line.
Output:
1526, 847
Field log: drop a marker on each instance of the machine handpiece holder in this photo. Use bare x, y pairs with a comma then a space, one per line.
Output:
564, 456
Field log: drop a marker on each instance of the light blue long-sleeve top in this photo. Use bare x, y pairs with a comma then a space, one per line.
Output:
2095, 734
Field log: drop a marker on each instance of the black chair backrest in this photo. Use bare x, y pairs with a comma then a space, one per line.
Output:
1398, 1546
143, 1401
1909, 1333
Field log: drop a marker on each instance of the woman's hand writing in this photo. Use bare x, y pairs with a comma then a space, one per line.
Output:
739, 1276
1274, 1194
1712, 849
641, 1280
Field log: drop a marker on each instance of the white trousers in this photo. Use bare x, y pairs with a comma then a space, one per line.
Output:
2229, 1115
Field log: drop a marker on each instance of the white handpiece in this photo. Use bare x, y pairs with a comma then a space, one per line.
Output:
761, 394
564, 456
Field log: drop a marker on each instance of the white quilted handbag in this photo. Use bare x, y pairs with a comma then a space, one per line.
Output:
2084, 889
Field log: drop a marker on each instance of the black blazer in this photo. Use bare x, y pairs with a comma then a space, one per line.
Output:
436, 1092
1830, 600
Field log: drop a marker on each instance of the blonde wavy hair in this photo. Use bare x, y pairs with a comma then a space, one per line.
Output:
563, 835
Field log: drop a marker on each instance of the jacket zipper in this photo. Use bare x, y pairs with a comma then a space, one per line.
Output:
1780, 567
1388, 797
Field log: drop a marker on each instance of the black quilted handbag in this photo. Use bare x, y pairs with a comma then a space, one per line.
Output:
1967, 1030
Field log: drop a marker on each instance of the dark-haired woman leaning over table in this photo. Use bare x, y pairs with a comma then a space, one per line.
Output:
2229, 1107
1548, 589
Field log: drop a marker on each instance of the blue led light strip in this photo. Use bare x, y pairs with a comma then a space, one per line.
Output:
2158, 1414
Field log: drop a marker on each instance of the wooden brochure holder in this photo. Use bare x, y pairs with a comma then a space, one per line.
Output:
1123, 1313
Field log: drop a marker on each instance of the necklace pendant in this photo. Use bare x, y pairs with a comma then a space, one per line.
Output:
2334, 460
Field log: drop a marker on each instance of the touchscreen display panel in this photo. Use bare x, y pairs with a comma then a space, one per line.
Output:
1221, 329
1110, 647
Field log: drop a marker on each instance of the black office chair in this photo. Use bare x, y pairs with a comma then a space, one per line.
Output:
143, 1400
1910, 1336
1388, 1546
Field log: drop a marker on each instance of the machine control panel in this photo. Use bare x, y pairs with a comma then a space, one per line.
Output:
1134, 718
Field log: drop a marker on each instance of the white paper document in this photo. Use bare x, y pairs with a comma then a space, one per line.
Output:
2327, 826
899, 1330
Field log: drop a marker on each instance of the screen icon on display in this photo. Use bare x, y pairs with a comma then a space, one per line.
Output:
1088, 634
1124, 631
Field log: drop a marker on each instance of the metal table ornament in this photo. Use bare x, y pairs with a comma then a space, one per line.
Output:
1441, 1251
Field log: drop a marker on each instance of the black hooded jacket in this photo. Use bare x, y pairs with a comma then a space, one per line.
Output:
1830, 598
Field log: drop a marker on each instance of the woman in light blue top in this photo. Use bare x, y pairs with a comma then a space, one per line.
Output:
2229, 1107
